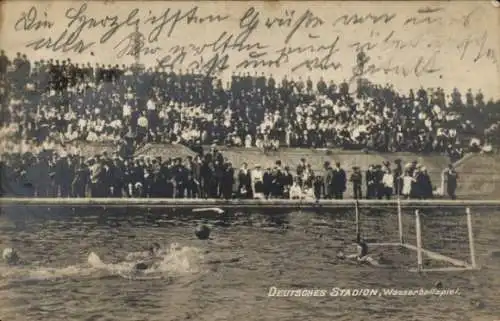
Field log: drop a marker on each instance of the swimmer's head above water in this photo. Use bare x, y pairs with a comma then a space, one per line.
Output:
362, 248
10, 256
154, 249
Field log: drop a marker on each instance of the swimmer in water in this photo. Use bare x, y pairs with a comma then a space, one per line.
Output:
361, 255
152, 251
149, 261
10, 256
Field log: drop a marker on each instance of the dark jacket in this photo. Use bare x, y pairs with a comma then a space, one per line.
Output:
339, 180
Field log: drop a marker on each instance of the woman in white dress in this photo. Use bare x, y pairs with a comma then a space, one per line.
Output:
407, 182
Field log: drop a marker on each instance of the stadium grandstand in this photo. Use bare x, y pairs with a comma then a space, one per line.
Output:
72, 129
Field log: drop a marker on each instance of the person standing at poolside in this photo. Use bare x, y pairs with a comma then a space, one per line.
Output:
339, 181
451, 178
356, 179
257, 181
244, 182
328, 180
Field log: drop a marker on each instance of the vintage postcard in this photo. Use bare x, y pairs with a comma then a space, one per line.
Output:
249, 160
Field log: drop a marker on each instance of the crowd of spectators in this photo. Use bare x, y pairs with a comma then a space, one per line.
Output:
51, 103
209, 175
63, 101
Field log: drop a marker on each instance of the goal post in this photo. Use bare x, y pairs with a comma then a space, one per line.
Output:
418, 228
400, 220
445, 241
437, 239
472, 248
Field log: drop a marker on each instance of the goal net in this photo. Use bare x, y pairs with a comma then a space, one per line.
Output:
430, 239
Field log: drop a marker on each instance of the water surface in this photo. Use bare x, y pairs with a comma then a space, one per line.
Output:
229, 276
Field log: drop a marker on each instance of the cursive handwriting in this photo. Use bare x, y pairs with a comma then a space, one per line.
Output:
133, 45
354, 19
464, 20
423, 17
228, 42
392, 41
423, 65
175, 56
429, 10
64, 43
307, 20
477, 45
217, 50
306, 40
29, 21
255, 60
170, 19
216, 64
80, 21
319, 57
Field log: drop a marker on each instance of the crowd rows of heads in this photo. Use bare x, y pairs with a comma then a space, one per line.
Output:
210, 175
64, 101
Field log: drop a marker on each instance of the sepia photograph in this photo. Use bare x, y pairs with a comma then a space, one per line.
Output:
249, 160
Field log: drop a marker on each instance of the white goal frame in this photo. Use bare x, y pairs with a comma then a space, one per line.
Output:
457, 265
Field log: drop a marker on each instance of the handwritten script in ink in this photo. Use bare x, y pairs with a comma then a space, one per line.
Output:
297, 39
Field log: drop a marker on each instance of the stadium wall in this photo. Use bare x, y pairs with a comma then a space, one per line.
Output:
479, 176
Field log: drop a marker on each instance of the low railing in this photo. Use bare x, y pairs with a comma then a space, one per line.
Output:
245, 203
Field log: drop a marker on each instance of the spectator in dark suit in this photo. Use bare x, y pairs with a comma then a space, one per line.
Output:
340, 181
356, 180
245, 182
329, 184
379, 182
398, 180
287, 182
63, 176
227, 181
451, 178
267, 183
371, 187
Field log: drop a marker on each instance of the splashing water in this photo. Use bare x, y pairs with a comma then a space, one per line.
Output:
39, 273
179, 260
173, 261
176, 260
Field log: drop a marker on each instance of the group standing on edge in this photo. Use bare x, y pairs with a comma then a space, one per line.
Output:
208, 175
